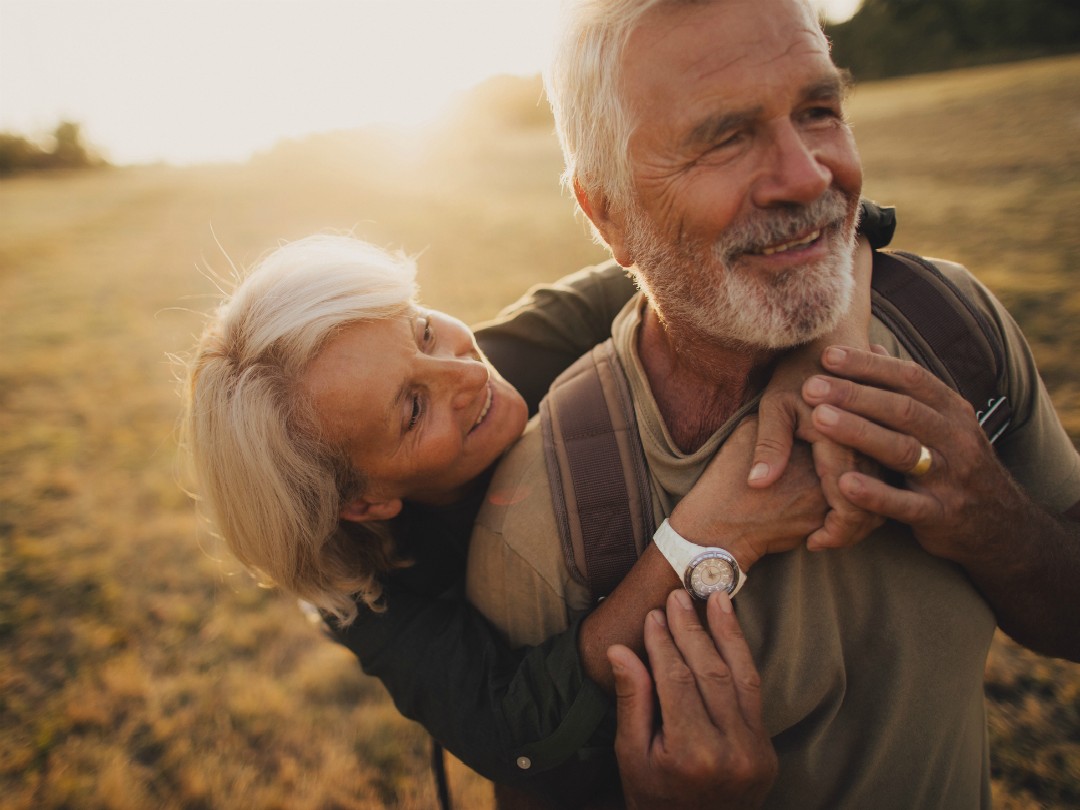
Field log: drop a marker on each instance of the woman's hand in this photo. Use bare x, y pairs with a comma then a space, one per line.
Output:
723, 510
784, 416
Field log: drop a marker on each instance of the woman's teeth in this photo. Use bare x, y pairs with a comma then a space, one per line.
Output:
485, 409
769, 251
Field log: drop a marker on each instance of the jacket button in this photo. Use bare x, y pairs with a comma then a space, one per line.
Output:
524, 763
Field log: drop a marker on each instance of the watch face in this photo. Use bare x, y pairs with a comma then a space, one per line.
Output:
710, 572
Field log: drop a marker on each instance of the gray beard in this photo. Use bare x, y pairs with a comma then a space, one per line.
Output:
701, 287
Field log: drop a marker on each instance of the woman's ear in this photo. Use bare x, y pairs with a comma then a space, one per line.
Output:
361, 510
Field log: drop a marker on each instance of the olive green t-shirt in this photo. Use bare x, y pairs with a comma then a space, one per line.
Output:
872, 657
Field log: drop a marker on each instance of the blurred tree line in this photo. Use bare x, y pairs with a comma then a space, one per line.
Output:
897, 37
64, 149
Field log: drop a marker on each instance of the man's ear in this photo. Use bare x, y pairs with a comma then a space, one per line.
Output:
361, 510
610, 225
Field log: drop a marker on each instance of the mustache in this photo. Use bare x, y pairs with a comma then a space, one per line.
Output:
770, 227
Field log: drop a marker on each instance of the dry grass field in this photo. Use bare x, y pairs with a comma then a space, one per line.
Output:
139, 671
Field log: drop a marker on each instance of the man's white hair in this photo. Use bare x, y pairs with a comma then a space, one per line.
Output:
583, 85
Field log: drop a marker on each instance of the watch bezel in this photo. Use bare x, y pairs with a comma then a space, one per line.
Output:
737, 575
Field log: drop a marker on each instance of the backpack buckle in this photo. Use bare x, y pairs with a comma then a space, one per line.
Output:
996, 418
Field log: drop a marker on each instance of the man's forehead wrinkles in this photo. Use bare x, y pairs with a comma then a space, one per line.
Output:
798, 47
804, 42
701, 69
812, 40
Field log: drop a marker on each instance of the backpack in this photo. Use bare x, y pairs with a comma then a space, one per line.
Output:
595, 463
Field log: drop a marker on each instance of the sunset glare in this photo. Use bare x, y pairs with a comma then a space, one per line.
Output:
198, 80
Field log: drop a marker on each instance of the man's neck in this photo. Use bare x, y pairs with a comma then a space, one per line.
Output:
697, 381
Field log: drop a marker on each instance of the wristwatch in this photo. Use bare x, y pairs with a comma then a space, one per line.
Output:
702, 569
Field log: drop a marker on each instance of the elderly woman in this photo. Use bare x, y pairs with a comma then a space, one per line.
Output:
341, 437
320, 399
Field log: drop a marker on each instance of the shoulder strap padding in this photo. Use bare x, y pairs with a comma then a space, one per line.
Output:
596, 469
943, 332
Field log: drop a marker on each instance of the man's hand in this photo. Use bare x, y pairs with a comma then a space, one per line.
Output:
889, 409
723, 510
964, 507
710, 747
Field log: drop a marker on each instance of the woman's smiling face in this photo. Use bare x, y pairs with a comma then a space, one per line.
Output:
415, 404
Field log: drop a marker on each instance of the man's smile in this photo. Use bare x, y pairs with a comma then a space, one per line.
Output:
811, 237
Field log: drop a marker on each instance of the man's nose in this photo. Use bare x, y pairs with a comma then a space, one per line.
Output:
793, 172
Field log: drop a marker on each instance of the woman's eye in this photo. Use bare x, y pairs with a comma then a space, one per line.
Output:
417, 410
428, 333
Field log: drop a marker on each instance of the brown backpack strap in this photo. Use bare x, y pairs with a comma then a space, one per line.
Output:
596, 469
943, 333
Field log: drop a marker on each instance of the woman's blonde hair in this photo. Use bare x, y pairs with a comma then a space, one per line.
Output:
271, 487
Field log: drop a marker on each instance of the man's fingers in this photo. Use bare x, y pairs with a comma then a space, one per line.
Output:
634, 704
684, 758
719, 661
881, 370
897, 411
845, 524
682, 708
902, 505
729, 640
895, 450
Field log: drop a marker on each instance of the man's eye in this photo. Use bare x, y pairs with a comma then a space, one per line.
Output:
417, 411
823, 113
729, 140
428, 332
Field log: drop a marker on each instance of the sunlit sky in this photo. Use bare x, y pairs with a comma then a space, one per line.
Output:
195, 80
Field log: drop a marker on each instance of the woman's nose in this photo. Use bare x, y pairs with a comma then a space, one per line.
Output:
458, 341
464, 377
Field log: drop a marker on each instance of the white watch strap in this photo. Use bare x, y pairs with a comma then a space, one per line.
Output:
680, 553
677, 550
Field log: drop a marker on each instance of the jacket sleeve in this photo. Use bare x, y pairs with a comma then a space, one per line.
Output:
524, 717
535, 339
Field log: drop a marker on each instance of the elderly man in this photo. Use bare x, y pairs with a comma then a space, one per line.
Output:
707, 144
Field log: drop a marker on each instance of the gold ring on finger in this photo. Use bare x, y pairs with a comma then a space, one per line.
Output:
922, 466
